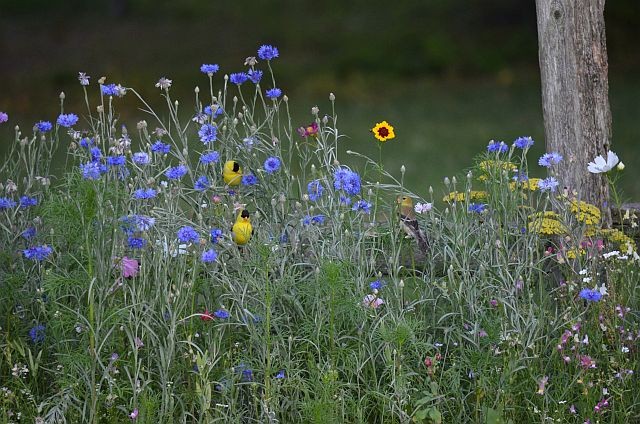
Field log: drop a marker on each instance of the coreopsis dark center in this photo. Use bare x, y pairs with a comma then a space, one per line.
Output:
383, 132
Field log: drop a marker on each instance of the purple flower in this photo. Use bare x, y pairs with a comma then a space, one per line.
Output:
377, 285
90, 170
86, 142
145, 193
238, 78
208, 133
209, 110
202, 183
37, 253
548, 184
116, 160
590, 295
6, 203
249, 180
83, 78
477, 207
274, 93
362, 206
110, 90
497, 146
315, 190
136, 242
37, 333
210, 157
267, 52
209, 256
29, 233
316, 219
216, 235
347, 180
96, 154
140, 158
209, 69
271, 165
549, 159
221, 314
68, 120
176, 173
523, 142
187, 234
44, 126
255, 76
3, 117
160, 147
280, 374
26, 201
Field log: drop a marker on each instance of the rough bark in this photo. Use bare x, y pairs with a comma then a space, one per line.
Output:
575, 93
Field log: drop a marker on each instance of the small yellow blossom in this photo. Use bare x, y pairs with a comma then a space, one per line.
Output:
383, 131
585, 212
531, 184
457, 196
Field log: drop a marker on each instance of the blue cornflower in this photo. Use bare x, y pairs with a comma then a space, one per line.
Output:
136, 242
221, 314
134, 223
548, 184
377, 285
344, 200
187, 234
271, 165
68, 120
316, 219
247, 375
274, 93
238, 78
90, 170
590, 295
208, 110
280, 374
347, 180
497, 146
3, 117
208, 133
37, 253
37, 333
549, 159
86, 142
160, 147
362, 206
255, 75
29, 233
216, 235
249, 180
315, 190
96, 154
140, 158
116, 160
145, 193
209, 68
477, 207
209, 256
44, 126
110, 90
520, 177
523, 142
26, 201
202, 183
6, 203
210, 157
176, 173
267, 52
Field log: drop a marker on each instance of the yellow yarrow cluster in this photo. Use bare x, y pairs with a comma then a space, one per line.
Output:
457, 196
585, 212
624, 242
531, 184
489, 166
574, 253
546, 223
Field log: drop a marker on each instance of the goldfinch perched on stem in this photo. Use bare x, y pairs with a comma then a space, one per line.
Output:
242, 229
409, 223
232, 173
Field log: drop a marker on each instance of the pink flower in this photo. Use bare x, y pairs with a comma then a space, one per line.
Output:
372, 301
129, 267
138, 342
493, 302
206, 316
541, 385
586, 362
310, 130
134, 414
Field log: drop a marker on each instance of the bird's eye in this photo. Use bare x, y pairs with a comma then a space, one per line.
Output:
236, 167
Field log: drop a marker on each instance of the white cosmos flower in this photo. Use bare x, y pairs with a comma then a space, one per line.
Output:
600, 164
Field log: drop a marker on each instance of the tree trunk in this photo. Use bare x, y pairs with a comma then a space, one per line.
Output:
575, 90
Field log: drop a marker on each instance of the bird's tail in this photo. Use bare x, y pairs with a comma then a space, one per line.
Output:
423, 244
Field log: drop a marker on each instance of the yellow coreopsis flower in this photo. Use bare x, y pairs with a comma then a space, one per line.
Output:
383, 131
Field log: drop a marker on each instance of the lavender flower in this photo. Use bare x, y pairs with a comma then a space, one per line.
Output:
83, 78
140, 158
548, 184
3, 117
209, 69
549, 159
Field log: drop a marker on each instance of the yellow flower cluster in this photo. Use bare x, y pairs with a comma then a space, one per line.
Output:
546, 223
574, 253
531, 184
585, 212
623, 241
491, 166
457, 196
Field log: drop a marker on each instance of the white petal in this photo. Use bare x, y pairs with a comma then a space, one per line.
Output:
593, 168
600, 162
612, 159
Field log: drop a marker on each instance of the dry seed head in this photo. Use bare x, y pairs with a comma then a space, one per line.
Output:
197, 89
332, 96
62, 96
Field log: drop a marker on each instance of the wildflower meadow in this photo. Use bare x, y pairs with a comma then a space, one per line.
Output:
217, 261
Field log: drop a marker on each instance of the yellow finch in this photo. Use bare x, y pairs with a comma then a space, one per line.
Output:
232, 173
409, 223
242, 229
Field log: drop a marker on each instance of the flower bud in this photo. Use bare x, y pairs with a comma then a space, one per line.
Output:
332, 96
62, 96
620, 166
197, 89
403, 169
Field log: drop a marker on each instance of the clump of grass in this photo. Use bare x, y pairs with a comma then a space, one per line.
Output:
127, 297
